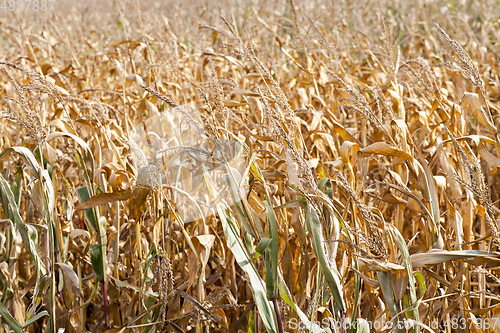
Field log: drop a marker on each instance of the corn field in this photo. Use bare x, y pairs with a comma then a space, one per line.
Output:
250, 166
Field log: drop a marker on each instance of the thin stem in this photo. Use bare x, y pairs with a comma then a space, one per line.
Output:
50, 243
105, 297
278, 315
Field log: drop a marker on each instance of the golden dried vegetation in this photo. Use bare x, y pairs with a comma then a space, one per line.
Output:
185, 166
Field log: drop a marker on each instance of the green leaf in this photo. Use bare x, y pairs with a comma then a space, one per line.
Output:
243, 210
431, 192
285, 295
272, 257
388, 293
325, 185
421, 282
244, 314
409, 270
17, 187
84, 195
96, 259
11, 321
235, 245
28, 158
315, 229
13, 210
261, 247
251, 323
35, 318
257, 285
